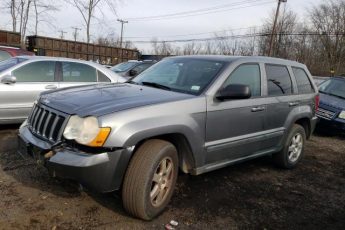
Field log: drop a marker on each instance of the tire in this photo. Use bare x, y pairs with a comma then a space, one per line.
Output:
293, 150
148, 186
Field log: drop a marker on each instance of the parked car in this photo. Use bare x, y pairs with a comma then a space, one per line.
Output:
332, 104
7, 52
319, 80
192, 113
131, 69
23, 78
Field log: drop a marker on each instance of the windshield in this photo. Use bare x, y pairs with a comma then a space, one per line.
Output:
4, 65
122, 67
335, 87
184, 75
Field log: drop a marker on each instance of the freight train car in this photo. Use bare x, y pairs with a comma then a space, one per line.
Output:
8, 38
46, 46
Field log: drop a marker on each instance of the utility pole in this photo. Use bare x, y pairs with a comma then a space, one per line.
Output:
122, 22
274, 28
121, 37
62, 33
75, 34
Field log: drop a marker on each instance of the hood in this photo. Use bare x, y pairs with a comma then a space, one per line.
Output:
103, 99
332, 101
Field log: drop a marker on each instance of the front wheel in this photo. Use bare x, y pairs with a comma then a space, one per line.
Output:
293, 150
150, 179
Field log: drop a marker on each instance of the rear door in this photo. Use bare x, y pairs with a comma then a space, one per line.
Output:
282, 97
32, 78
74, 74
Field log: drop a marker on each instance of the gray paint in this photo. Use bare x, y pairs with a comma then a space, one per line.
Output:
219, 133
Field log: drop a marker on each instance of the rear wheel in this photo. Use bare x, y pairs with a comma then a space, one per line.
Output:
293, 150
150, 179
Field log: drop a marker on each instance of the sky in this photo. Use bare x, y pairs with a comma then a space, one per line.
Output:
238, 14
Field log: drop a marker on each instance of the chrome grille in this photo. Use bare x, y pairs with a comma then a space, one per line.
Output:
326, 114
47, 123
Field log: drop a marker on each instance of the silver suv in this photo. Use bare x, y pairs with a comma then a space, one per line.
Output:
192, 113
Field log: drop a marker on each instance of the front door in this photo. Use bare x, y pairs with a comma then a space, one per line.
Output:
234, 128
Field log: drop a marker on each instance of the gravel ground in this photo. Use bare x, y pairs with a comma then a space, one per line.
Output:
252, 195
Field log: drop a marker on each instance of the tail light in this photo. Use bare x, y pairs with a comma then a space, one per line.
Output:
317, 102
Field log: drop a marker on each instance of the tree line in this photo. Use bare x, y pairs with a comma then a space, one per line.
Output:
318, 41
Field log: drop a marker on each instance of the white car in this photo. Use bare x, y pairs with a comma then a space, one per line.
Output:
23, 78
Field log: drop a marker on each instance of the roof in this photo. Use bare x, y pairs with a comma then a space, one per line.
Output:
58, 59
226, 58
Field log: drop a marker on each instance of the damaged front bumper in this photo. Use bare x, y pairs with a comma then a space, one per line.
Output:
102, 172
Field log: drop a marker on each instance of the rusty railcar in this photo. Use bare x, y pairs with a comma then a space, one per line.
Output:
108, 55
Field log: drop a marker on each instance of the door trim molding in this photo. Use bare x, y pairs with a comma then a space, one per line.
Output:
215, 145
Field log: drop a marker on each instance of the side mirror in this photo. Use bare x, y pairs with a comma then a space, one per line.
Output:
234, 92
8, 79
133, 73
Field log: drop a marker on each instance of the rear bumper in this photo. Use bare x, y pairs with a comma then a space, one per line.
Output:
102, 172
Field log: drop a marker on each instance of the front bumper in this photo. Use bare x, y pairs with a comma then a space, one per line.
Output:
336, 124
102, 172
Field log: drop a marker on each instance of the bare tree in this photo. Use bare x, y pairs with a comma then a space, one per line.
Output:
87, 10
161, 47
43, 8
14, 14
20, 9
328, 19
192, 48
113, 41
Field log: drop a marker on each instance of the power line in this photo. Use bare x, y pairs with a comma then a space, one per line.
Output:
194, 11
200, 13
211, 32
260, 3
242, 36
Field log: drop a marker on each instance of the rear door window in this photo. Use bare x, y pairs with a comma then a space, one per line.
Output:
40, 71
303, 83
78, 72
278, 80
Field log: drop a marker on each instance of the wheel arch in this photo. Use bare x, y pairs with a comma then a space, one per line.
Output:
182, 145
305, 123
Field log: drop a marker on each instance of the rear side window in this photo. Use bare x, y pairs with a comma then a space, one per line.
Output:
102, 77
247, 74
40, 71
78, 72
278, 80
303, 83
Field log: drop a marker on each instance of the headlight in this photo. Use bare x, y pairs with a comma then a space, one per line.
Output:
342, 115
86, 131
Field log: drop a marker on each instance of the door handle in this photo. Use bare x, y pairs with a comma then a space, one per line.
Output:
293, 103
258, 109
51, 87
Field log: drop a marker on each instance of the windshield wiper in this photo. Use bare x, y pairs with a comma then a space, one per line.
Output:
156, 85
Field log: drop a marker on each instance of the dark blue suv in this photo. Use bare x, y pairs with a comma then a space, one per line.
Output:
332, 103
